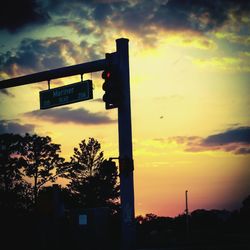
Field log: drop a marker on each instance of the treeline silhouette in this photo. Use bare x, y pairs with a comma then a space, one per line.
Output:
38, 213
35, 211
29, 163
207, 229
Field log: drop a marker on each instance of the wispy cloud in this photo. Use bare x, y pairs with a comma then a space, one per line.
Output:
233, 37
69, 115
235, 140
188, 38
234, 64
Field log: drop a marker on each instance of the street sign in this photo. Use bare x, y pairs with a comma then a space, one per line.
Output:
83, 219
70, 93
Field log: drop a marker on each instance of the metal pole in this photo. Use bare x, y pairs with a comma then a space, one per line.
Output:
125, 149
54, 74
187, 221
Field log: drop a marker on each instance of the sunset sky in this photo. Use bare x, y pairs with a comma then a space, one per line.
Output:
190, 90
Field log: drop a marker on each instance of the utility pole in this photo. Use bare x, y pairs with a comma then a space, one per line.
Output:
125, 149
187, 213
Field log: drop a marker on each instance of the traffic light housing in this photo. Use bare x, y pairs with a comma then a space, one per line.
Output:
112, 84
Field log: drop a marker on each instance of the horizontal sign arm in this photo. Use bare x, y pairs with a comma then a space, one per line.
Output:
54, 74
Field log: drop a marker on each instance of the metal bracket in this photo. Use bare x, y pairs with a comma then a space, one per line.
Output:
113, 158
126, 165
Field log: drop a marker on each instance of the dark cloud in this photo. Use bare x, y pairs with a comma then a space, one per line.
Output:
92, 51
8, 126
196, 15
102, 11
140, 16
16, 14
145, 17
235, 140
38, 55
241, 135
32, 55
191, 14
68, 115
242, 151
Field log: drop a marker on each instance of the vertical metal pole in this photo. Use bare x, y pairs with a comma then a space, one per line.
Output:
125, 149
187, 221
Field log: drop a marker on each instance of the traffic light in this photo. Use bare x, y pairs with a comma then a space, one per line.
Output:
112, 84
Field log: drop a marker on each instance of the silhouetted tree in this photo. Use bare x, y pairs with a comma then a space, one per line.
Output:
9, 169
246, 205
87, 158
93, 181
14, 190
100, 189
108, 179
245, 213
41, 161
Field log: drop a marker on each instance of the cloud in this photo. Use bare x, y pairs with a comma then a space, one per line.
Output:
190, 39
98, 19
141, 17
34, 55
8, 126
241, 135
233, 64
16, 14
233, 37
175, 15
235, 140
145, 19
69, 115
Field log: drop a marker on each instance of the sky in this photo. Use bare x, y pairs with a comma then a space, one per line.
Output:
189, 81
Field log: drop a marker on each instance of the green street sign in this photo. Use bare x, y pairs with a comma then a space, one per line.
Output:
70, 93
